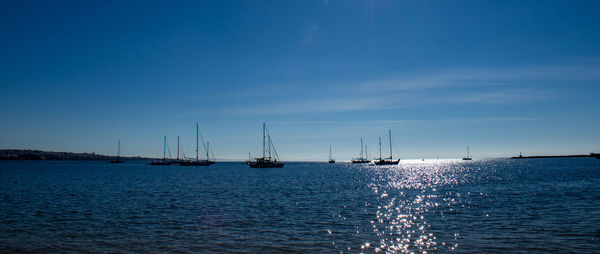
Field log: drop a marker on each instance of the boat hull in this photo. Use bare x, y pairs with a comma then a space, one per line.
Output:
116, 161
361, 161
160, 163
467, 159
254, 164
194, 163
331, 161
385, 162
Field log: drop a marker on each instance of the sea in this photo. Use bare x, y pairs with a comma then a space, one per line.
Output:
431, 206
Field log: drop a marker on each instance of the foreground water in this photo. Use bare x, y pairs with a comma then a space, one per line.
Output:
537, 205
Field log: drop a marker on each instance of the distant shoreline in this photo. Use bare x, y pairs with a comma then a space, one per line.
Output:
37, 155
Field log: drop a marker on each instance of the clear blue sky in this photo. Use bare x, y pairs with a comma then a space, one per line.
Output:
500, 76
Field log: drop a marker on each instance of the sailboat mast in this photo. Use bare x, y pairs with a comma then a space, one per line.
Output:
207, 147
390, 135
119, 148
165, 148
329, 152
197, 141
177, 147
361, 149
269, 138
264, 139
379, 148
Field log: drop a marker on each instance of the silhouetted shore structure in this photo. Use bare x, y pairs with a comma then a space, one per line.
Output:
595, 155
22, 154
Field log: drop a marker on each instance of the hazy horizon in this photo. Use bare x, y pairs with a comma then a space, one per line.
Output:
501, 77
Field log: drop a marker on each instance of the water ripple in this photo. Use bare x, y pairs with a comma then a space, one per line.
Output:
413, 207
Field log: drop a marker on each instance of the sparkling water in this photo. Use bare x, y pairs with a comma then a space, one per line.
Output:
496, 205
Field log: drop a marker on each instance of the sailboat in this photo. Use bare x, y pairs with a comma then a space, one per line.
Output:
362, 158
331, 160
264, 161
196, 162
389, 160
118, 159
468, 158
164, 161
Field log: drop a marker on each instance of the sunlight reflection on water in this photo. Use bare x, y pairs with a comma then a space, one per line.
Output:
406, 194
497, 205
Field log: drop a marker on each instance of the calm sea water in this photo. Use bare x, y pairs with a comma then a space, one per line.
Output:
537, 205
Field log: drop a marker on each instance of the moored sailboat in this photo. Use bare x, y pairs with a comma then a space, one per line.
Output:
362, 158
389, 160
331, 160
196, 162
468, 158
266, 161
118, 159
164, 161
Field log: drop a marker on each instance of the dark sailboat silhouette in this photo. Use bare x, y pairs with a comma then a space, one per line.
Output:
264, 161
196, 162
362, 158
331, 160
389, 160
164, 161
468, 158
118, 159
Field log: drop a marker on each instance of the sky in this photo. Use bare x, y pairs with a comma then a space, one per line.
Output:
502, 77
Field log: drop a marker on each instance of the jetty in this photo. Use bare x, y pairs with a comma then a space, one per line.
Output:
595, 155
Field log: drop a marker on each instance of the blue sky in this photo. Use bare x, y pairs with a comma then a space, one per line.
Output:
500, 76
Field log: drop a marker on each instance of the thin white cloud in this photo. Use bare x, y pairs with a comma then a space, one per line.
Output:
511, 85
479, 77
308, 105
410, 121
504, 96
388, 100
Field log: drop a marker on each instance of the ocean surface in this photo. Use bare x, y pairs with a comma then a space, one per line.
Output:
498, 206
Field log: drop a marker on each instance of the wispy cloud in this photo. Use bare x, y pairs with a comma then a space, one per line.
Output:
410, 121
493, 86
478, 77
319, 105
504, 96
